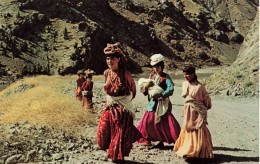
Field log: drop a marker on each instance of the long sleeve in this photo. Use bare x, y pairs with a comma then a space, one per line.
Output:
91, 86
84, 85
131, 83
80, 82
170, 87
87, 86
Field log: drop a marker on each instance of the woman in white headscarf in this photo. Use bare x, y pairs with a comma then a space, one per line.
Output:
156, 124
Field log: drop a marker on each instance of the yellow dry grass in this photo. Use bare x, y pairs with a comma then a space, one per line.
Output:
191, 6
45, 104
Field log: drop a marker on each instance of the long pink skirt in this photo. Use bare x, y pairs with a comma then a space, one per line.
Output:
195, 143
167, 130
116, 132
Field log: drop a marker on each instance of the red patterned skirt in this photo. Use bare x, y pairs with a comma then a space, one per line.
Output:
78, 93
116, 132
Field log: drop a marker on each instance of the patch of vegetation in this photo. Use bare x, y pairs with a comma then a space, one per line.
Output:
248, 91
231, 81
40, 99
237, 74
247, 83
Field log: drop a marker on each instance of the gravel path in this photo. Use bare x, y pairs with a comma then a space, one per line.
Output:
234, 127
233, 123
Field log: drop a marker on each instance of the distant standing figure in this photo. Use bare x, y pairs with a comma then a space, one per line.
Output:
195, 139
116, 131
87, 93
80, 80
159, 124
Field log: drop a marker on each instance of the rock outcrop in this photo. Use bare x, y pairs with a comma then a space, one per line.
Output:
242, 77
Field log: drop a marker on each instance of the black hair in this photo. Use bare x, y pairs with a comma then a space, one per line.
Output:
89, 75
80, 72
161, 63
122, 62
117, 55
190, 70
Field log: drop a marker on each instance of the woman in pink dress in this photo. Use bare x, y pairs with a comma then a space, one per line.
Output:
195, 139
164, 127
116, 130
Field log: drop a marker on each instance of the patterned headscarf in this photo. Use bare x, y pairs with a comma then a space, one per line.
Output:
112, 49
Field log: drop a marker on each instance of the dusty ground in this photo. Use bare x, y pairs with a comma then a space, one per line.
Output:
234, 126
233, 123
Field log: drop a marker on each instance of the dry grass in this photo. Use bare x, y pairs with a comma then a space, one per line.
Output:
191, 6
45, 104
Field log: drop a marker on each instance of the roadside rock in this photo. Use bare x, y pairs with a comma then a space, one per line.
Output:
14, 159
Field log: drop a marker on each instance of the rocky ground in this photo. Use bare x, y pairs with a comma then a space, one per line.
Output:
234, 126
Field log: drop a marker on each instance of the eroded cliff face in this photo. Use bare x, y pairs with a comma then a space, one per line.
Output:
240, 13
64, 36
242, 77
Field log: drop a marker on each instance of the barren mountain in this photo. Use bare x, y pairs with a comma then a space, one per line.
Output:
242, 77
64, 36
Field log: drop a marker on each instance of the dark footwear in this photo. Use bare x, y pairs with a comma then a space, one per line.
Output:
159, 145
146, 144
118, 161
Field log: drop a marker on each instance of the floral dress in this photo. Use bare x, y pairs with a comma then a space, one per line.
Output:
116, 130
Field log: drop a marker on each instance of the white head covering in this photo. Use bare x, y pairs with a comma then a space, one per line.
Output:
156, 58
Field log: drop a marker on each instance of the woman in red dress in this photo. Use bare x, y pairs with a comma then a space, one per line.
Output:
87, 93
80, 80
116, 130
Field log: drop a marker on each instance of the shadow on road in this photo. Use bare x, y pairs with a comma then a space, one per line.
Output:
161, 148
132, 162
228, 149
222, 158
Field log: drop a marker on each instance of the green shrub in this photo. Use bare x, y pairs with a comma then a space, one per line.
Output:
248, 83
237, 74
248, 91
231, 81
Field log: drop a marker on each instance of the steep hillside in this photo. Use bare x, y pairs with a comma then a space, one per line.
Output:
64, 36
242, 77
240, 12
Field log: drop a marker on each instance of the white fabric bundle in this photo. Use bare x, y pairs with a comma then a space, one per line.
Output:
153, 90
123, 100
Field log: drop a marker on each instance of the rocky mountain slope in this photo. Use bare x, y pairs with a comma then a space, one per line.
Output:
64, 36
242, 77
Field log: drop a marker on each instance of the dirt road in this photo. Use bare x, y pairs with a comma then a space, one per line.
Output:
234, 126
